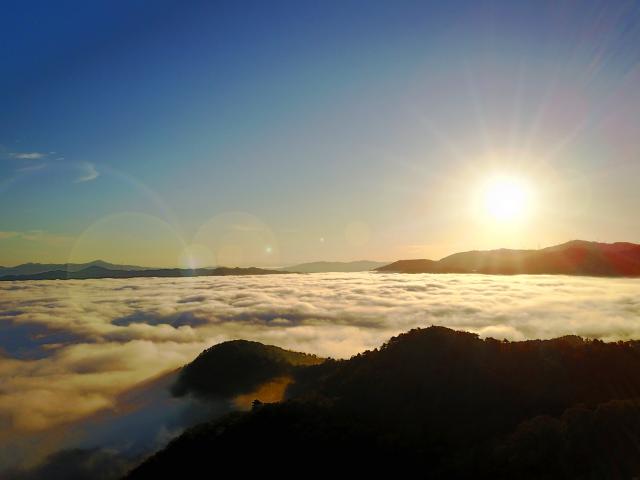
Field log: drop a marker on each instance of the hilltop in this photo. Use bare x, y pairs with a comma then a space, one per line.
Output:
237, 367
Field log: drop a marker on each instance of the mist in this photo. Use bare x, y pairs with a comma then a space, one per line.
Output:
72, 349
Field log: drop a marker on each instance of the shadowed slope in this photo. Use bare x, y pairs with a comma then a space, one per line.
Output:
443, 402
222, 379
237, 367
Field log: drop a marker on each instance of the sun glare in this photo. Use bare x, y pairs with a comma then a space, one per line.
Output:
506, 199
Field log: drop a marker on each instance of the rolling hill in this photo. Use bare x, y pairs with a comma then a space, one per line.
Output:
237, 367
576, 257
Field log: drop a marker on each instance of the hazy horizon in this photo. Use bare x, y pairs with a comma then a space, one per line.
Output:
353, 260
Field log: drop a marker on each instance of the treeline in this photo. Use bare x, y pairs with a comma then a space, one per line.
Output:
441, 404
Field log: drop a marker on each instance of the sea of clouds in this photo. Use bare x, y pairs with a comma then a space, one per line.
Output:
68, 349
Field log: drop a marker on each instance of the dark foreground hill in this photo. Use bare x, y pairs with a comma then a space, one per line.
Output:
434, 402
237, 367
95, 272
572, 258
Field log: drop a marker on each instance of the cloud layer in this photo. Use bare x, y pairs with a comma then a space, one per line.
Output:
70, 347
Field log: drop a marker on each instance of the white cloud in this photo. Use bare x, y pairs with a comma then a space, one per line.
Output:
28, 155
88, 172
89, 340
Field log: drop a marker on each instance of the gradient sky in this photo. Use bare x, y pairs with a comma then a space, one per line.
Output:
268, 133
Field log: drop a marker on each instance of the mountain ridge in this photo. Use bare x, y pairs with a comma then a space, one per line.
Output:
96, 272
576, 257
31, 268
441, 402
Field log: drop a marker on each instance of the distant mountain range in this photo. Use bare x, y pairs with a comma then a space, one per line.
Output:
321, 267
35, 268
102, 269
577, 257
95, 272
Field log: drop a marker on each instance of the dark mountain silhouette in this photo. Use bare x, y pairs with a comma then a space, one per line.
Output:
35, 268
141, 417
94, 272
237, 367
434, 402
320, 267
577, 257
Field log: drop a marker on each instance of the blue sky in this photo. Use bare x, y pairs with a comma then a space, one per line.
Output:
267, 133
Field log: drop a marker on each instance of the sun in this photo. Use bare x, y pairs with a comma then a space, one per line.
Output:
506, 198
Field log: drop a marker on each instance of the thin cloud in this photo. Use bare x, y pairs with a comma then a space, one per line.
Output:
31, 168
28, 155
89, 172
